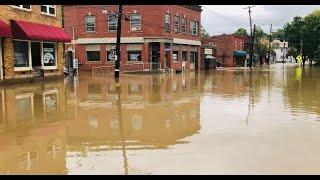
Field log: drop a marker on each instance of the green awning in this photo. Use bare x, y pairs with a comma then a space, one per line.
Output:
209, 57
239, 53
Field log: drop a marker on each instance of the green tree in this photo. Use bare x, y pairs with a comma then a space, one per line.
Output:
241, 32
203, 32
261, 46
311, 36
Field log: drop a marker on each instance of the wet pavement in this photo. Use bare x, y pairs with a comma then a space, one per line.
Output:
264, 121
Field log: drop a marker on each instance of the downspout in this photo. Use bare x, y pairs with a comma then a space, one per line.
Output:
2, 59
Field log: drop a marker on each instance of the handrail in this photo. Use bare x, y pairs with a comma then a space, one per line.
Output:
129, 67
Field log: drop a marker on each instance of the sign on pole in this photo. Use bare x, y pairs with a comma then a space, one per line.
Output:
75, 63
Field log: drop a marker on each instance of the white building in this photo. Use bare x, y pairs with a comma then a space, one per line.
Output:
281, 49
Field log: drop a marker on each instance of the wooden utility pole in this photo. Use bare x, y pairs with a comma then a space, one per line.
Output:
249, 10
118, 54
252, 44
270, 38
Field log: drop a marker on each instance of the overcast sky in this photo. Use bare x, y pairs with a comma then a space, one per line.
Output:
219, 19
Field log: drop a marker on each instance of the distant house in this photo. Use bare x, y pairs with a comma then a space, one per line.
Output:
230, 50
281, 50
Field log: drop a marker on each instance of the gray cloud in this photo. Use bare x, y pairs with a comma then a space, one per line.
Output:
226, 19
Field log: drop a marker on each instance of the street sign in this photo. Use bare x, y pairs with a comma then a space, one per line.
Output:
75, 63
299, 57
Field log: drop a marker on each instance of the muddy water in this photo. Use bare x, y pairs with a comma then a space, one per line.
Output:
264, 121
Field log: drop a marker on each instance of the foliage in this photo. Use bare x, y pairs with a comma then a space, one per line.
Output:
241, 32
203, 32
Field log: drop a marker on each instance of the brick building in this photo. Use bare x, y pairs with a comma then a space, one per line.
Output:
31, 41
229, 49
164, 36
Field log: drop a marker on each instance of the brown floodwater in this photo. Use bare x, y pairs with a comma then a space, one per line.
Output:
232, 121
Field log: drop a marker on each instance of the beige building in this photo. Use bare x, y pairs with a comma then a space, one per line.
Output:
31, 41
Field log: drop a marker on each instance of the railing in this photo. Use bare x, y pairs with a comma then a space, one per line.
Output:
129, 67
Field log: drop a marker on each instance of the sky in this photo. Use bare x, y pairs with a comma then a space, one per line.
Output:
219, 19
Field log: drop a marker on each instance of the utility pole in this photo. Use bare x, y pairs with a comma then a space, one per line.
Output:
252, 44
270, 38
284, 48
249, 10
118, 54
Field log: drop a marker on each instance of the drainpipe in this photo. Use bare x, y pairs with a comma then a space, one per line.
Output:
2, 59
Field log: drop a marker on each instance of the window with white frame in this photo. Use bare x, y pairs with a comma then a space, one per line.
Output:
24, 7
184, 25
112, 22
90, 23
176, 24
21, 53
135, 22
48, 9
194, 26
49, 54
167, 22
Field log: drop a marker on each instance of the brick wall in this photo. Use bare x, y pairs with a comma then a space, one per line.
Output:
226, 44
8, 13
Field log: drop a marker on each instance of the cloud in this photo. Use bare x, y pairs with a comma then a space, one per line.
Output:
218, 19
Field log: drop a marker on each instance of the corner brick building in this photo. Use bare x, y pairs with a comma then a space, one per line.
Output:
229, 49
153, 36
31, 41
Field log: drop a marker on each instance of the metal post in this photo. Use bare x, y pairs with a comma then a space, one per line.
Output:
118, 57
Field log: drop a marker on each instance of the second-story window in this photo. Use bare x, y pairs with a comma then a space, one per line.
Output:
176, 24
90, 23
167, 22
25, 7
112, 22
184, 25
48, 9
135, 22
194, 27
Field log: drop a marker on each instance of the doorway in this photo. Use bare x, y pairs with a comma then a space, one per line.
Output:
155, 55
36, 58
70, 60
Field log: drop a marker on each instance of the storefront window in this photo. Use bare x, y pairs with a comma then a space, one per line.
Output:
93, 55
49, 55
21, 53
175, 55
109, 56
134, 55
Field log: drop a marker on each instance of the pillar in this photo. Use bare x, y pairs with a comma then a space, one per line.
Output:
162, 56
8, 58
198, 58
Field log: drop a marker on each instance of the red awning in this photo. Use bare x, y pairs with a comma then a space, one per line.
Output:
5, 30
34, 31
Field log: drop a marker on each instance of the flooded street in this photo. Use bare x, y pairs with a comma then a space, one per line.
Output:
265, 121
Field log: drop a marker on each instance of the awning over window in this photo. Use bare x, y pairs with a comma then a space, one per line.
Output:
5, 30
209, 56
239, 53
34, 31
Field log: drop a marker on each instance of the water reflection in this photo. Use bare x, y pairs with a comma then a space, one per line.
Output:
89, 125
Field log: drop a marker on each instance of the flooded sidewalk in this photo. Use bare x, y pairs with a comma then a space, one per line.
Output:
260, 121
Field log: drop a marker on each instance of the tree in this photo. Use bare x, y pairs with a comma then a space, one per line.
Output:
261, 46
311, 36
203, 32
241, 32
